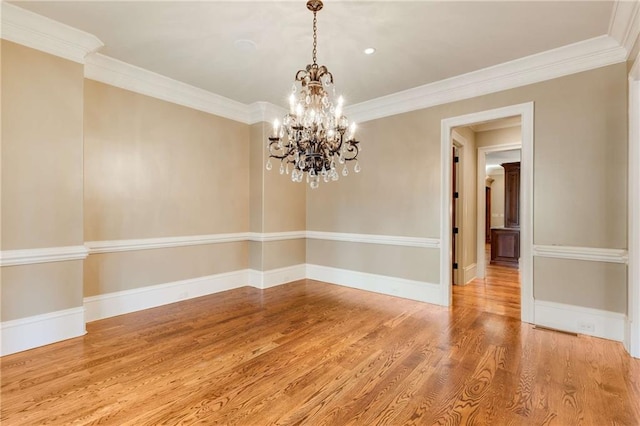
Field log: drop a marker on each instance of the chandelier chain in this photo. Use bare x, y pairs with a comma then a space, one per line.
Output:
315, 38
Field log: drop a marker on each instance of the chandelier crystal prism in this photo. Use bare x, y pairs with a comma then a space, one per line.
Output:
315, 140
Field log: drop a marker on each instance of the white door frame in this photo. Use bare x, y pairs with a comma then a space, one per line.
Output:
632, 332
525, 111
482, 165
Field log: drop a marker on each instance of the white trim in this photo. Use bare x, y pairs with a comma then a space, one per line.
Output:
632, 341
581, 253
581, 56
113, 246
275, 277
624, 25
392, 286
470, 273
481, 202
39, 330
265, 112
578, 319
96, 247
276, 236
44, 34
375, 239
526, 111
111, 71
127, 301
42, 255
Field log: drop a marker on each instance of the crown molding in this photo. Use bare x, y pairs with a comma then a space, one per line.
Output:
45, 34
264, 112
32, 30
624, 26
106, 69
582, 56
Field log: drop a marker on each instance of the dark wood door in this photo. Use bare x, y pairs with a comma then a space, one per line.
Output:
454, 216
511, 195
487, 215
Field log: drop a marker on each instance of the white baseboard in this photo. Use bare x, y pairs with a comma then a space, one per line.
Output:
577, 319
124, 302
470, 273
39, 330
275, 277
392, 286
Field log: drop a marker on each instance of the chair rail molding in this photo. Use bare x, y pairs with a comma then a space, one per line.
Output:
42, 255
581, 253
375, 239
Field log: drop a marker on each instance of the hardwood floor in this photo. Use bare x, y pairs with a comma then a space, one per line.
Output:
498, 292
314, 353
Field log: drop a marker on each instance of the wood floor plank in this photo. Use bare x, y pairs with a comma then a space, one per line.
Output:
313, 353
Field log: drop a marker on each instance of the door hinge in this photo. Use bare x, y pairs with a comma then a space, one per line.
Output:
456, 159
456, 195
455, 265
455, 230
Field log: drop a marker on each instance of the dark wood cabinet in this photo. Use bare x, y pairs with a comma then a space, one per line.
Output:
505, 242
505, 246
511, 195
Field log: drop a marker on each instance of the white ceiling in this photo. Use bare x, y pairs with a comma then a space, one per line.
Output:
417, 42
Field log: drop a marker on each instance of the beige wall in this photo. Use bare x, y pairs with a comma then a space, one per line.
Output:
41, 149
111, 272
277, 205
494, 137
157, 169
497, 200
41, 178
580, 154
598, 285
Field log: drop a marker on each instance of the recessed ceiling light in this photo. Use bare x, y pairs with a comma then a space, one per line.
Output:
245, 45
369, 51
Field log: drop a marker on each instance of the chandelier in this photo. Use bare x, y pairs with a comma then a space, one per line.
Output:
314, 140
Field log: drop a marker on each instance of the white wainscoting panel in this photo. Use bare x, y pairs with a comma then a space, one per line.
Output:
39, 330
581, 253
124, 302
578, 319
392, 286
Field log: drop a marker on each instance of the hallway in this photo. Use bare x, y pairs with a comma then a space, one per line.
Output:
497, 293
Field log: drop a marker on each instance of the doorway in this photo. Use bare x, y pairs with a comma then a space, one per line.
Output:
525, 112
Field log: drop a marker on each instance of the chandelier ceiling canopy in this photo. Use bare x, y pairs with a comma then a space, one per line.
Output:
315, 140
